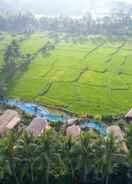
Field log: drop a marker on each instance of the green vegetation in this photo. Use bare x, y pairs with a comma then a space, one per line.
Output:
33, 43
56, 158
84, 74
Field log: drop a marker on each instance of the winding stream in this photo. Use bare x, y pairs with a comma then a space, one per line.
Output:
43, 112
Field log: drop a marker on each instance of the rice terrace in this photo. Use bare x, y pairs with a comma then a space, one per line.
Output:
65, 92
84, 74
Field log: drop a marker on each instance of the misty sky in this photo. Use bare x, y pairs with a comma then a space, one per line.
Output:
55, 7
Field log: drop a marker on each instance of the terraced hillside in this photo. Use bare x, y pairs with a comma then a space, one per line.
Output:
82, 74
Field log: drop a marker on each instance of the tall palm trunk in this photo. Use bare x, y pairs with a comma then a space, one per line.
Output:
32, 174
130, 175
107, 179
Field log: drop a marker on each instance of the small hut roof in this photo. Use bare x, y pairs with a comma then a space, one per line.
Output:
13, 123
38, 126
7, 116
73, 131
72, 121
129, 114
8, 120
118, 134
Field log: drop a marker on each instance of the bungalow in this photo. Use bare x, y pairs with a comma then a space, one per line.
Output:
128, 116
38, 126
9, 120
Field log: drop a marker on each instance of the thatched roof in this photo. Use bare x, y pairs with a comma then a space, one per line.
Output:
13, 123
73, 131
8, 120
72, 121
7, 116
129, 114
118, 134
38, 126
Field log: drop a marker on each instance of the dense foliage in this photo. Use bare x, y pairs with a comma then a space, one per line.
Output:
56, 158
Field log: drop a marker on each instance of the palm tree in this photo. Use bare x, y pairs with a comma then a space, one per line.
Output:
6, 156
24, 155
84, 157
44, 160
112, 157
129, 153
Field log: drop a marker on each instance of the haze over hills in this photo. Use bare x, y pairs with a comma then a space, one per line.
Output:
57, 7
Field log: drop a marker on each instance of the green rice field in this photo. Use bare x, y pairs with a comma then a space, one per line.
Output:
90, 74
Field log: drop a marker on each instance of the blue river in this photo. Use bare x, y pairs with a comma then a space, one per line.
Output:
43, 112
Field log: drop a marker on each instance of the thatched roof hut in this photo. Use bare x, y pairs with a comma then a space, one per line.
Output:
13, 123
73, 131
118, 135
38, 126
129, 115
8, 120
73, 121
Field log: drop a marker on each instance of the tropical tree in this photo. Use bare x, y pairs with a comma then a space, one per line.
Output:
129, 153
7, 169
3, 88
11, 54
112, 157
84, 155
24, 155
54, 157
